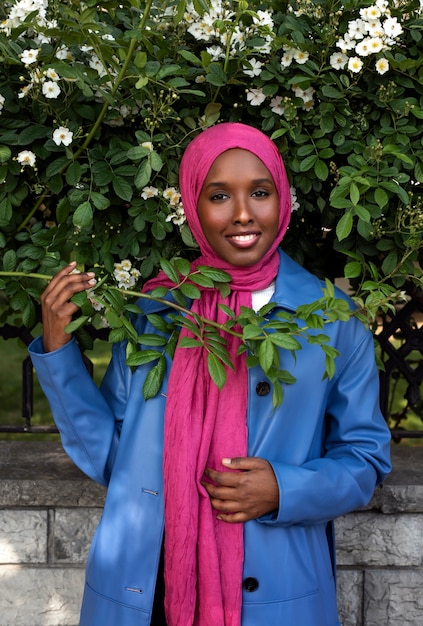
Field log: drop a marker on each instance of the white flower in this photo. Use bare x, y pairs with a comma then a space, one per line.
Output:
300, 56
51, 89
29, 56
363, 48
347, 43
263, 18
382, 66
255, 97
177, 217
338, 60
375, 28
275, 105
287, 57
26, 157
294, 204
355, 64
2, 101
126, 265
255, 69
64, 54
370, 13
149, 192
62, 135
392, 27
97, 65
24, 90
52, 74
357, 29
147, 144
200, 79
216, 52
173, 195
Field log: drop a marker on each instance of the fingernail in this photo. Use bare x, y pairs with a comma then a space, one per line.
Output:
92, 281
226, 461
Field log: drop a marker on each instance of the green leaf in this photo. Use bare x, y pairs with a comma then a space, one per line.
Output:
149, 339
83, 216
344, 226
75, 324
216, 75
216, 370
251, 331
99, 201
321, 170
285, 341
354, 193
265, 354
122, 188
190, 291
143, 175
9, 261
200, 279
170, 271
142, 357
156, 161
352, 269
218, 276
381, 198
183, 266
73, 173
190, 342
154, 379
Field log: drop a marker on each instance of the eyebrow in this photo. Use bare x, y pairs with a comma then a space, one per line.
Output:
257, 181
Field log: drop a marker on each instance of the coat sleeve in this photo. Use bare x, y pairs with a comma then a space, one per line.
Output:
88, 418
356, 446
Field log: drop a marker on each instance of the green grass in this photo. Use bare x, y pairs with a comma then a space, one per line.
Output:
12, 354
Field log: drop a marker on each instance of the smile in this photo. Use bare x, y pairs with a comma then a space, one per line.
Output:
243, 240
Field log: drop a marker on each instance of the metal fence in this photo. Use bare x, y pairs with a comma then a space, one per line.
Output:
400, 338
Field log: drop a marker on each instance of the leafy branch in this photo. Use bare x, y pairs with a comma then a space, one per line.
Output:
261, 335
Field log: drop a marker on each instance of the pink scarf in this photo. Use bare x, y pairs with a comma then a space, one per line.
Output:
204, 556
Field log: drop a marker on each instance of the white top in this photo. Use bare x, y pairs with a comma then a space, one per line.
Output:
263, 296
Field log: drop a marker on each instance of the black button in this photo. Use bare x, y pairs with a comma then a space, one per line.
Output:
250, 584
263, 388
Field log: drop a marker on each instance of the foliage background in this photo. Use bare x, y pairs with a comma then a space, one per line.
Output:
127, 84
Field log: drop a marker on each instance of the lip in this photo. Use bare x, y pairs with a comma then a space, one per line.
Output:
243, 240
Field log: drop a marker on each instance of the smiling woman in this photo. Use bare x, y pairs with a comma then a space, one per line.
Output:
239, 208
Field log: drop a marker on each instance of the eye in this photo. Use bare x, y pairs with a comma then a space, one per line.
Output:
216, 197
260, 193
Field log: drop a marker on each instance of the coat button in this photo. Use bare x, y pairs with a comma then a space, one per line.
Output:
250, 584
263, 388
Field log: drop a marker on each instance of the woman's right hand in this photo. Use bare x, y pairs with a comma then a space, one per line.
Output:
57, 310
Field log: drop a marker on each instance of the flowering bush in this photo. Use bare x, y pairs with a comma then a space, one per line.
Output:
98, 101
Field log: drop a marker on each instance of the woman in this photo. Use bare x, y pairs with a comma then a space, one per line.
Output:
251, 546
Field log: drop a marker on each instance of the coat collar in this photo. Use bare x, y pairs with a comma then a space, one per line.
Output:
295, 285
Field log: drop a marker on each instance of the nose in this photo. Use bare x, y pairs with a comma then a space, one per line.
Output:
241, 211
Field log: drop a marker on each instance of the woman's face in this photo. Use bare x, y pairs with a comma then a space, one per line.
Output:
238, 208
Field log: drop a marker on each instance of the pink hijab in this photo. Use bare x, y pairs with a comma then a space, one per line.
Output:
204, 556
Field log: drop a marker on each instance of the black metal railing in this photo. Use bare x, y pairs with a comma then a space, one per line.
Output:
401, 343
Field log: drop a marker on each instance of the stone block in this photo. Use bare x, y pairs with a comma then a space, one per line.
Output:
371, 539
23, 536
393, 597
72, 531
350, 597
39, 596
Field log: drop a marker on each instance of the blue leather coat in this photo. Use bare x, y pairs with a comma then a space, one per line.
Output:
328, 445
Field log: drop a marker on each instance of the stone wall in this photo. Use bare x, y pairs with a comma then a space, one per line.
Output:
49, 510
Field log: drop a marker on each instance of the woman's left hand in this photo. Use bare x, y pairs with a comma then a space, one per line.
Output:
246, 494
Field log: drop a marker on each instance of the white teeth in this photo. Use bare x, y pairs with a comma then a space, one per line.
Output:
243, 237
